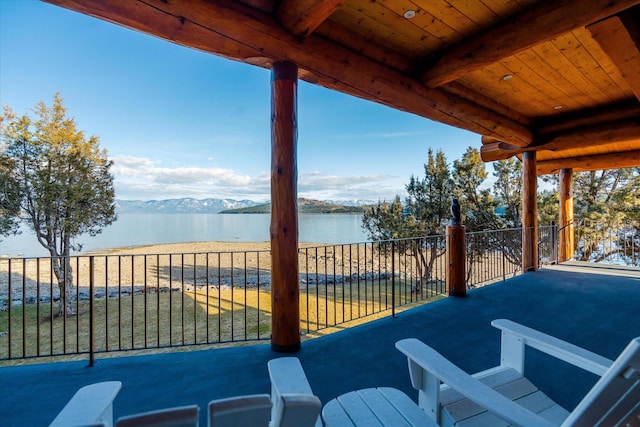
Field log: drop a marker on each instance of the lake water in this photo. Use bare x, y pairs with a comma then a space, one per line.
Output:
149, 229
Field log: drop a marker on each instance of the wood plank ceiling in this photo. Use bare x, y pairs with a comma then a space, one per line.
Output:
559, 77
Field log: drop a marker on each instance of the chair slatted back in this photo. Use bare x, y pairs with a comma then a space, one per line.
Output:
181, 416
615, 398
251, 410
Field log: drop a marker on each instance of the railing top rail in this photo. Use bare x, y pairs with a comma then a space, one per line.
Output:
501, 230
116, 254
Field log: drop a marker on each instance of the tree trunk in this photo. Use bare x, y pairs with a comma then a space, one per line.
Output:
64, 273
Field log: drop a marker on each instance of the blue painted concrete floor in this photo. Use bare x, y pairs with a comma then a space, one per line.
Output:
596, 307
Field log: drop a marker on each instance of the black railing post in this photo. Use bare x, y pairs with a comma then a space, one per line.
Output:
9, 311
504, 256
91, 313
554, 242
393, 279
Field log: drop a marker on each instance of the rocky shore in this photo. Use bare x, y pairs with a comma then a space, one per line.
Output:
183, 266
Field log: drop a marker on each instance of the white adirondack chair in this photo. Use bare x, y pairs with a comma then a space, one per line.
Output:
91, 405
294, 404
503, 396
251, 410
181, 416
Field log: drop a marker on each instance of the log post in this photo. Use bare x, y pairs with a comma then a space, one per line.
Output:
529, 212
285, 292
456, 260
566, 225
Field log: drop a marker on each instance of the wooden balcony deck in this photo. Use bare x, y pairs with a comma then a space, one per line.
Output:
594, 306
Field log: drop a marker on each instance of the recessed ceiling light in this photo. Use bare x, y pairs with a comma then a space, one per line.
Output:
558, 107
507, 76
410, 14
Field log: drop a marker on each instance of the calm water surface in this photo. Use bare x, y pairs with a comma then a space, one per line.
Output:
149, 229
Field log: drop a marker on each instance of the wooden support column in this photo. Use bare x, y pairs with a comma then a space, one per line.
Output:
285, 291
566, 226
456, 261
529, 212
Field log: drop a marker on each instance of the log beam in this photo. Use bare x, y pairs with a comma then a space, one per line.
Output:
566, 226
590, 136
302, 17
285, 290
627, 109
625, 159
498, 150
544, 21
235, 31
529, 212
584, 137
619, 37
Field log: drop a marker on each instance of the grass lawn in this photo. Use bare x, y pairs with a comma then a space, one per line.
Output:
201, 316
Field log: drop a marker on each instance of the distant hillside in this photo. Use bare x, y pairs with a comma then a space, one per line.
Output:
214, 206
175, 206
304, 206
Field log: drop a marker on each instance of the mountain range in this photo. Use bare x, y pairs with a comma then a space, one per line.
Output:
214, 205
304, 206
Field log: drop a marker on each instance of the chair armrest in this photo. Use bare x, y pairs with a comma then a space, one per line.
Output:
91, 404
553, 346
287, 378
425, 362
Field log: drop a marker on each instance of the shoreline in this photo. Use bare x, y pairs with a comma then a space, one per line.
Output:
174, 264
183, 247
197, 248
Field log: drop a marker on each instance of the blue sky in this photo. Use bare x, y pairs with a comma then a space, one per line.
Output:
181, 123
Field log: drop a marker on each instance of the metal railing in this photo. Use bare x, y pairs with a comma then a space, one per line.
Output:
493, 256
548, 244
611, 242
150, 301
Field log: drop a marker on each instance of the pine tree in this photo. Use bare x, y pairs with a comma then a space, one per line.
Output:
64, 184
425, 213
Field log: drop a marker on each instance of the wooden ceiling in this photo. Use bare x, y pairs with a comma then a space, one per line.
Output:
560, 77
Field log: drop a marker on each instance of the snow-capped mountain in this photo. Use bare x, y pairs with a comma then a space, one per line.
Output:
186, 205
353, 202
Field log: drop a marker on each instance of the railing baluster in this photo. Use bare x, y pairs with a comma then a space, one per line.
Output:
106, 303
170, 326
219, 300
37, 261
206, 272
182, 292
133, 305
245, 296
145, 293
306, 261
50, 307
393, 278
158, 310
195, 301
258, 289
24, 311
233, 335
92, 314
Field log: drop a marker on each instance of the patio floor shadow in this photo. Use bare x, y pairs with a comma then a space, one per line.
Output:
596, 307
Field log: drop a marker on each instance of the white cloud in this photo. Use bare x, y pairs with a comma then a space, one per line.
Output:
144, 179
130, 166
317, 185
